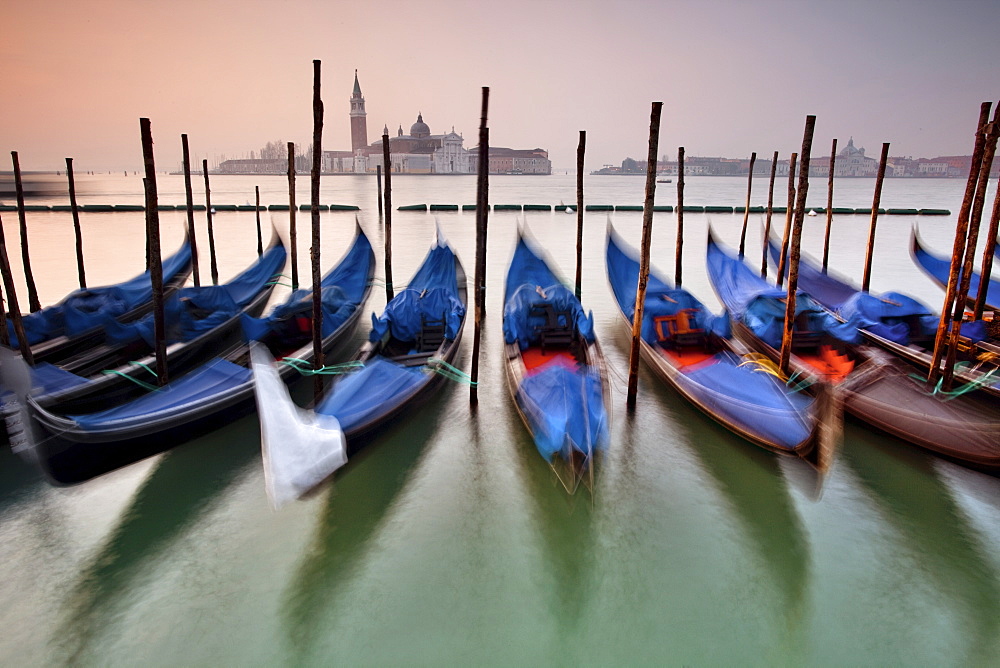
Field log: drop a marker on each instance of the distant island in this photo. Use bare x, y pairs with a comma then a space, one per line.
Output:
850, 162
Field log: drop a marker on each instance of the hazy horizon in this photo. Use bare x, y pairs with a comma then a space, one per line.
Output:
734, 77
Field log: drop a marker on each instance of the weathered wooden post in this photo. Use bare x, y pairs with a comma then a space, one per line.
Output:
869, 252
211, 231
767, 219
647, 235
388, 217
260, 238
987, 267
155, 261
292, 234
378, 186
793, 257
789, 210
15, 309
76, 223
4, 334
317, 298
829, 206
189, 199
482, 215
580, 150
989, 150
679, 248
746, 208
958, 247
29, 279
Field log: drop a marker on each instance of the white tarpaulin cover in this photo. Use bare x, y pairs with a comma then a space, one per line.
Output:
300, 448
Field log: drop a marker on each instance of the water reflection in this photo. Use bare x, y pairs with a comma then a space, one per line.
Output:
947, 550
357, 506
183, 487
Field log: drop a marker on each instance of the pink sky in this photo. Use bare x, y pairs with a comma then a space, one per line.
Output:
734, 77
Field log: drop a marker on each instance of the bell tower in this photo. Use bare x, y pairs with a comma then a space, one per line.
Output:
359, 125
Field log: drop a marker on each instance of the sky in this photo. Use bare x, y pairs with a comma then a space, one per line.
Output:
734, 76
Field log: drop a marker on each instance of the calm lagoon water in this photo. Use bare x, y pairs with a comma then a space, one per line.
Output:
447, 541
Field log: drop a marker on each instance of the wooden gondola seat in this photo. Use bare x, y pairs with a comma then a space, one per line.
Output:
431, 334
557, 331
677, 330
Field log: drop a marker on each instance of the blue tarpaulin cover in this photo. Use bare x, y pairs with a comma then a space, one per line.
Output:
193, 311
564, 404
383, 385
83, 310
738, 394
753, 301
938, 269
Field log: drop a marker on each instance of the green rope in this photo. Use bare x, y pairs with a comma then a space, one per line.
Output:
439, 366
800, 385
974, 384
302, 366
140, 383
140, 364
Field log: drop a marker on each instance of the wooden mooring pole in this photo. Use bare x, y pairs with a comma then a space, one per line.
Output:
679, 247
260, 238
770, 211
209, 214
789, 211
292, 233
793, 256
647, 235
580, 151
958, 246
746, 208
155, 261
829, 206
388, 218
29, 279
314, 251
15, 309
989, 150
378, 185
78, 234
189, 200
482, 217
870, 250
991, 242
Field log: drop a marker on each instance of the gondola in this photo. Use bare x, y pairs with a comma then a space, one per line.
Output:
408, 355
874, 386
73, 448
200, 321
901, 324
74, 324
555, 368
938, 269
693, 351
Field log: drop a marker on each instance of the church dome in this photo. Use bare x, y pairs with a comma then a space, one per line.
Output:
420, 129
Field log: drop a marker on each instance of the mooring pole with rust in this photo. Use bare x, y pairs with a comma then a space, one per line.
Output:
292, 232
767, 219
679, 246
976, 217
155, 261
794, 250
260, 238
958, 247
829, 206
993, 130
482, 217
789, 211
378, 186
189, 199
580, 151
746, 207
29, 279
647, 236
314, 251
870, 251
4, 334
387, 196
15, 309
209, 214
76, 224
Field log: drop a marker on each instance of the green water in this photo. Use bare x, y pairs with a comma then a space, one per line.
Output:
448, 541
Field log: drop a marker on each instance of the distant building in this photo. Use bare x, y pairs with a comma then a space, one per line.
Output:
513, 161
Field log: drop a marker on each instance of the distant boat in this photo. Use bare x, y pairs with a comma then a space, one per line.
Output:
664, 181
